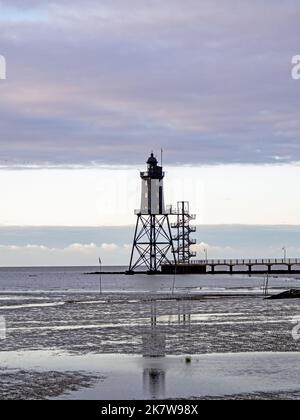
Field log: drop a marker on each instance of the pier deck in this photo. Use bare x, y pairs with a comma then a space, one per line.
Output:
236, 266
249, 265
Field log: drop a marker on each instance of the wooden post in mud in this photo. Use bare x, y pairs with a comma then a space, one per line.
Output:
174, 279
267, 286
100, 276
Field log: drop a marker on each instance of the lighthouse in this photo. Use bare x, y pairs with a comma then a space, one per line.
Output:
152, 188
152, 243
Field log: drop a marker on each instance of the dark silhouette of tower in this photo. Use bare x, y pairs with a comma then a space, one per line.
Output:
182, 238
153, 243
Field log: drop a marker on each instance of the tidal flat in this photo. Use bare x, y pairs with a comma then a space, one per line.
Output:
76, 343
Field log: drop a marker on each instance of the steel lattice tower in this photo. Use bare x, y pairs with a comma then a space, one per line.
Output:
153, 243
183, 229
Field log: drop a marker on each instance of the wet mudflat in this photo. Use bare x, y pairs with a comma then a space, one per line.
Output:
236, 376
33, 385
241, 345
91, 324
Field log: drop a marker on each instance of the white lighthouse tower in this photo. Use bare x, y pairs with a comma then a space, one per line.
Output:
152, 188
153, 244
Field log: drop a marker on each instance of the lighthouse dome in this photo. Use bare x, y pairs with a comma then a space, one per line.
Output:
152, 161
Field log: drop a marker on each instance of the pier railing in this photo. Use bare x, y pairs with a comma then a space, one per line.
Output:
274, 261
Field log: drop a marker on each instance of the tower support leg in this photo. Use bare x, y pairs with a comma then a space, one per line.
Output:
152, 243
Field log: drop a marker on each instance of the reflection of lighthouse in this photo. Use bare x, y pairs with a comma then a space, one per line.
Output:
154, 383
152, 245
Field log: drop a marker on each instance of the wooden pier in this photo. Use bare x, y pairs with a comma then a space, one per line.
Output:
266, 265
236, 266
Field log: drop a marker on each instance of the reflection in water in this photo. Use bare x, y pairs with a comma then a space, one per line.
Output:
184, 313
153, 314
154, 381
180, 315
154, 338
154, 345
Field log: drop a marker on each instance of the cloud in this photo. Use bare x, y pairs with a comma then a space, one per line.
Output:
214, 251
109, 247
92, 247
50, 247
107, 81
73, 254
82, 247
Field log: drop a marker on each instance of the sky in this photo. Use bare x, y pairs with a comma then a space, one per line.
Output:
235, 194
93, 86
208, 80
82, 246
